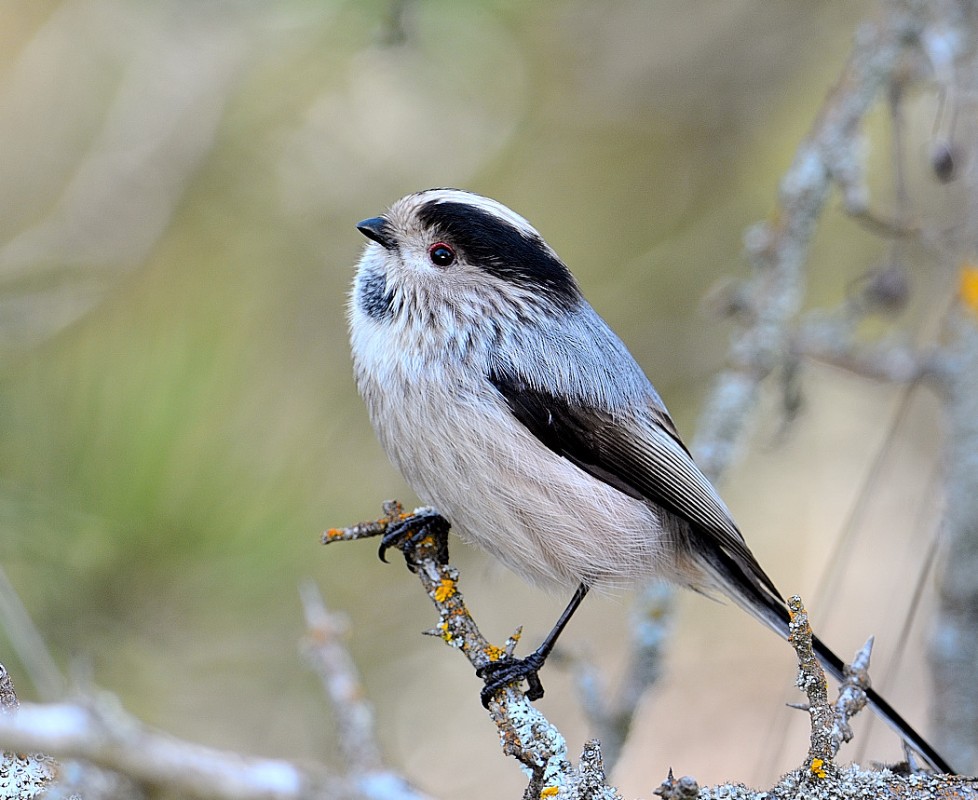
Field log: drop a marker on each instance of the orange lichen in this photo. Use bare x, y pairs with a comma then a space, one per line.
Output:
968, 286
550, 791
817, 768
494, 653
444, 590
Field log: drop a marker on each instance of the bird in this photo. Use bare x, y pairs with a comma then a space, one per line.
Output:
512, 409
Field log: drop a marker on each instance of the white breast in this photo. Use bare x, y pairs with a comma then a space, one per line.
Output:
461, 450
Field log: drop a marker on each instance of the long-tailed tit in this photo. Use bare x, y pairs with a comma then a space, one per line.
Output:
511, 407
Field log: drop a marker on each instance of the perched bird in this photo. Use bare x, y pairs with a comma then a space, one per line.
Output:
510, 406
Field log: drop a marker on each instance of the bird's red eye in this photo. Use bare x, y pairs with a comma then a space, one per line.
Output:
441, 254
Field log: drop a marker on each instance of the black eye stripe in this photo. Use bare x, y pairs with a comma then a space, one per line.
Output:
484, 240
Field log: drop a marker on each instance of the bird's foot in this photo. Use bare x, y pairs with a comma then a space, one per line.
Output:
507, 671
407, 533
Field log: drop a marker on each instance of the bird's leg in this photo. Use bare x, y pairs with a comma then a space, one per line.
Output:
497, 674
406, 533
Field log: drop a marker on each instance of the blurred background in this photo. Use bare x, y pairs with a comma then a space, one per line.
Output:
179, 184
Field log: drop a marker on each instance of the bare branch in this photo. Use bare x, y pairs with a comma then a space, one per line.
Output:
22, 774
327, 655
102, 733
820, 777
830, 723
778, 248
96, 731
354, 715
525, 734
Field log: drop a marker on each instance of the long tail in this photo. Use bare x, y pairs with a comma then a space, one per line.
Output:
750, 588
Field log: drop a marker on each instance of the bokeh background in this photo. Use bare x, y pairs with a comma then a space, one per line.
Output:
179, 184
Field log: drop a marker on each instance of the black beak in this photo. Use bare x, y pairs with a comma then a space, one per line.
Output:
379, 230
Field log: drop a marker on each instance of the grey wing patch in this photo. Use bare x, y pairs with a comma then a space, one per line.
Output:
643, 459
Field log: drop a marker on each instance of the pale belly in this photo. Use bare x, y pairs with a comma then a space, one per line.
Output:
503, 490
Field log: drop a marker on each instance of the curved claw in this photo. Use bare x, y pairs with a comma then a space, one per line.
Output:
498, 674
386, 542
406, 533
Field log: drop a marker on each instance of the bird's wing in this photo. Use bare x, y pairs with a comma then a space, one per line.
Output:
645, 459
641, 456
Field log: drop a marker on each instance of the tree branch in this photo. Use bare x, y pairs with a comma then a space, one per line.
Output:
536, 743
768, 304
97, 731
830, 723
778, 248
100, 732
524, 732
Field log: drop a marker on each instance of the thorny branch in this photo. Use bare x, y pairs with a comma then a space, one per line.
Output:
526, 734
830, 723
95, 730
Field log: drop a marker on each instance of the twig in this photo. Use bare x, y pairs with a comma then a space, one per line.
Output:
811, 680
326, 654
524, 732
100, 732
778, 248
23, 775
440, 582
830, 722
820, 777
353, 713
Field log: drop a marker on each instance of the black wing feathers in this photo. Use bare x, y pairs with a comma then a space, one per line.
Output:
650, 463
565, 429
655, 467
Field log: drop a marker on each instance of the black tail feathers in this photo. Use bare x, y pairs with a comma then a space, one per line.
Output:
747, 584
